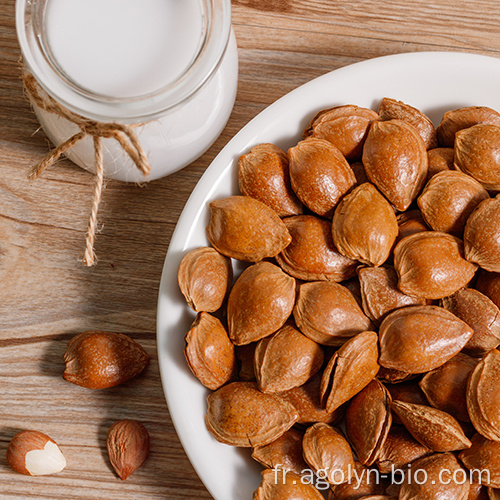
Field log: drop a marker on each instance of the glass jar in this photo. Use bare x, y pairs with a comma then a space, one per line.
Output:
167, 67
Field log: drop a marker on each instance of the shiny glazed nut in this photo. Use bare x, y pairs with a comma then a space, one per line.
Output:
364, 226
344, 126
320, 175
259, 303
307, 401
380, 294
431, 427
483, 396
390, 108
395, 160
240, 415
281, 485
286, 359
327, 451
209, 352
483, 456
98, 360
350, 370
263, 174
417, 339
448, 199
463, 118
328, 313
440, 159
446, 386
312, 255
443, 479
365, 483
205, 277
482, 235
481, 314
246, 229
410, 222
368, 420
284, 453
431, 265
400, 449
477, 152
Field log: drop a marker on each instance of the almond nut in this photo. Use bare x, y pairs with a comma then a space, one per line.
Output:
127, 442
98, 360
440, 159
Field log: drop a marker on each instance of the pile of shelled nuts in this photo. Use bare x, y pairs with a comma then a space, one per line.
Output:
363, 331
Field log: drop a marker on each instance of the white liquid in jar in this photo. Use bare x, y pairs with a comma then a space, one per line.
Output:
123, 48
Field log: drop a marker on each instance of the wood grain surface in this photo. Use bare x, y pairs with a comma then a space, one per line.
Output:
47, 295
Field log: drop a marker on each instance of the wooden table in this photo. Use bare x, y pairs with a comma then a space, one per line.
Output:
47, 295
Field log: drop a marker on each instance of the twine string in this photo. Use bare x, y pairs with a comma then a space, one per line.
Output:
123, 134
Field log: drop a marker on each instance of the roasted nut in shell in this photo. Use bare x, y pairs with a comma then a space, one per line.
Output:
240, 415
364, 226
365, 483
483, 457
209, 352
440, 159
286, 359
328, 313
246, 229
277, 484
312, 255
97, 360
205, 277
395, 160
259, 303
431, 265
320, 175
417, 339
263, 174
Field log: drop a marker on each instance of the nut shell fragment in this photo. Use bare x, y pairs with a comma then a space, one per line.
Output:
259, 303
240, 415
364, 226
246, 229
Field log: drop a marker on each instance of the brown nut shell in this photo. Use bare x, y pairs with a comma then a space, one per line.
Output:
440, 159
482, 235
320, 175
246, 229
442, 480
240, 415
380, 294
364, 226
483, 396
205, 277
209, 352
459, 119
312, 255
263, 174
391, 108
328, 451
446, 386
284, 453
489, 284
328, 313
483, 457
410, 222
365, 483
286, 359
277, 484
481, 314
417, 339
433, 428
448, 199
395, 160
368, 420
477, 151
259, 303
431, 265
350, 370
344, 126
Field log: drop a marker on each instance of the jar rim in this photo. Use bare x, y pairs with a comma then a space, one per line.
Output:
136, 109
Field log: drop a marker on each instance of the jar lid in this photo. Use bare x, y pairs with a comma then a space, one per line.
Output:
85, 91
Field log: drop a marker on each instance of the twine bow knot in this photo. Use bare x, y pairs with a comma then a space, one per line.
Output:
123, 134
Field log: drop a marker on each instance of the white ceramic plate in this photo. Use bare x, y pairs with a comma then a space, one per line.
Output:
431, 81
